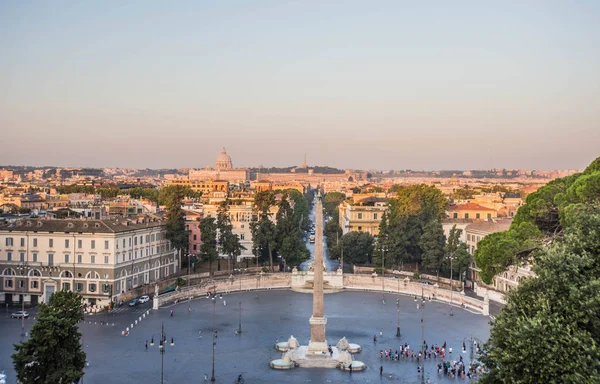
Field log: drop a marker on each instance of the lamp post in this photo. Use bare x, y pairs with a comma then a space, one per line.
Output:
161, 348
451, 290
239, 330
398, 334
422, 338
382, 272
24, 271
214, 343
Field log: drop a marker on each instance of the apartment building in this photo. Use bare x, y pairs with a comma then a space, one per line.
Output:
362, 216
97, 258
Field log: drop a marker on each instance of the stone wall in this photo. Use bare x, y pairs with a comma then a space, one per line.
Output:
267, 281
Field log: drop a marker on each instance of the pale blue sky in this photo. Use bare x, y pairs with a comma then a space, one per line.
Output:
355, 84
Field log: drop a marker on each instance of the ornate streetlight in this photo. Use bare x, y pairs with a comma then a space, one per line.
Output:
161, 347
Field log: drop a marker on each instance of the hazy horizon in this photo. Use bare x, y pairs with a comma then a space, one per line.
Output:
390, 85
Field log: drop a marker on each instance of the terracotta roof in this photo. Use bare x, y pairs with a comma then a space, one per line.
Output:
469, 207
83, 226
490, 226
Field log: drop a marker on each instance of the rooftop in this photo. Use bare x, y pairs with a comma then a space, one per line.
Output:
115, 225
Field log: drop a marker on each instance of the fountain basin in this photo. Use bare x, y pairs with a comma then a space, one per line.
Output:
281, 364
356, 366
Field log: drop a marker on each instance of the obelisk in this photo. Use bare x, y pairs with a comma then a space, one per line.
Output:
318, 321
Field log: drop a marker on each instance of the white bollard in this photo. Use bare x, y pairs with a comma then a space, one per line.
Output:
140, 319
131, 326
136, 322
144, 315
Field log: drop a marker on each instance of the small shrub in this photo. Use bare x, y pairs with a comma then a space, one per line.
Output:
416, 275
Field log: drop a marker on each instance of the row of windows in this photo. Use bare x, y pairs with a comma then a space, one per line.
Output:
360, 216
472, 238
149, 238
51, 258
33, 285
10, 243
477, 215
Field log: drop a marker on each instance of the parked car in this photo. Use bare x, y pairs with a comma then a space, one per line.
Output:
133, 302
20, 314
144, 299
426, 283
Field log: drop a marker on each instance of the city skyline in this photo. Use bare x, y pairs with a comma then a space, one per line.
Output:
380, 86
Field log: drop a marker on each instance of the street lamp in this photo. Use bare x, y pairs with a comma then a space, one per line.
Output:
161, 348
398, 310
422, 338
214, 342
383, 249
239, 330
451, 290
24, 271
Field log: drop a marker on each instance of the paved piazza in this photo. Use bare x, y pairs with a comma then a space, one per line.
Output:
273, 315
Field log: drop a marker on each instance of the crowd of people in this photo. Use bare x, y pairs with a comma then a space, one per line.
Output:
452, 366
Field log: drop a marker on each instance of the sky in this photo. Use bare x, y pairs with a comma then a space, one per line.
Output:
353, 84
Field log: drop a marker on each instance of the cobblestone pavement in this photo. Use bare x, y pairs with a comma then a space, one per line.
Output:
274, 315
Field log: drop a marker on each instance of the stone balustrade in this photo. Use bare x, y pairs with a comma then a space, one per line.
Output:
266, 281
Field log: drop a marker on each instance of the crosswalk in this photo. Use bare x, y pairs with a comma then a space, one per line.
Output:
134, 310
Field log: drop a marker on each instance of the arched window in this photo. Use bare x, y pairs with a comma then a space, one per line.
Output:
34, 272
66, 275
8, 272
92, 275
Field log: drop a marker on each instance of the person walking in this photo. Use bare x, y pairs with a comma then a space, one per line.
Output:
146, 345
171, 313
380, 370
350, 367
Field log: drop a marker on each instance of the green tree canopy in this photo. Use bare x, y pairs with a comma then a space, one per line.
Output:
208, 247
53, 353
549, 330
432, 243
357, 247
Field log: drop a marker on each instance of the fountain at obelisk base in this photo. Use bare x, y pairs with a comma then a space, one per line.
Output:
318, 354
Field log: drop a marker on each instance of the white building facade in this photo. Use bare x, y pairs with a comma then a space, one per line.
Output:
99, 259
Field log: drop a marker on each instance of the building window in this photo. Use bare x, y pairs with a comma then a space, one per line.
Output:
35, 284
123, 243
374, 216
22, 241
477, 216
22, 257
35, 257
50, 259
195, 246
79, 287
123, 256
9, 256
79, 244
147, 251
152, 237
93, 259
241, 238
130, 241
105, 244
478, 239
93, 244
359, 216
466, 215
66, 286
135, 241
21, 283
35, 242
141, 239
66, 258
135, 255
51, 243
489, 215
147, 238
79, 257
359, 229
129, 255
66, 243
9, 241
194, 237
8, 283
105, 259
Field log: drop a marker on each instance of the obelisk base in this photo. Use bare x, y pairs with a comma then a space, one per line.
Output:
317, 343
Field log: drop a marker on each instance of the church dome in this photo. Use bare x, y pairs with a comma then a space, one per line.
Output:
223, 161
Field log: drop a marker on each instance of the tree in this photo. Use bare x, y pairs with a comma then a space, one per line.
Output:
263, 229
550, 328
208, 248
176, 232
432, 243
53, 353
358, 247
462, 260
229, 243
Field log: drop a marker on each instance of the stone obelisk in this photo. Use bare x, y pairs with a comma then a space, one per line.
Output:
318, 321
